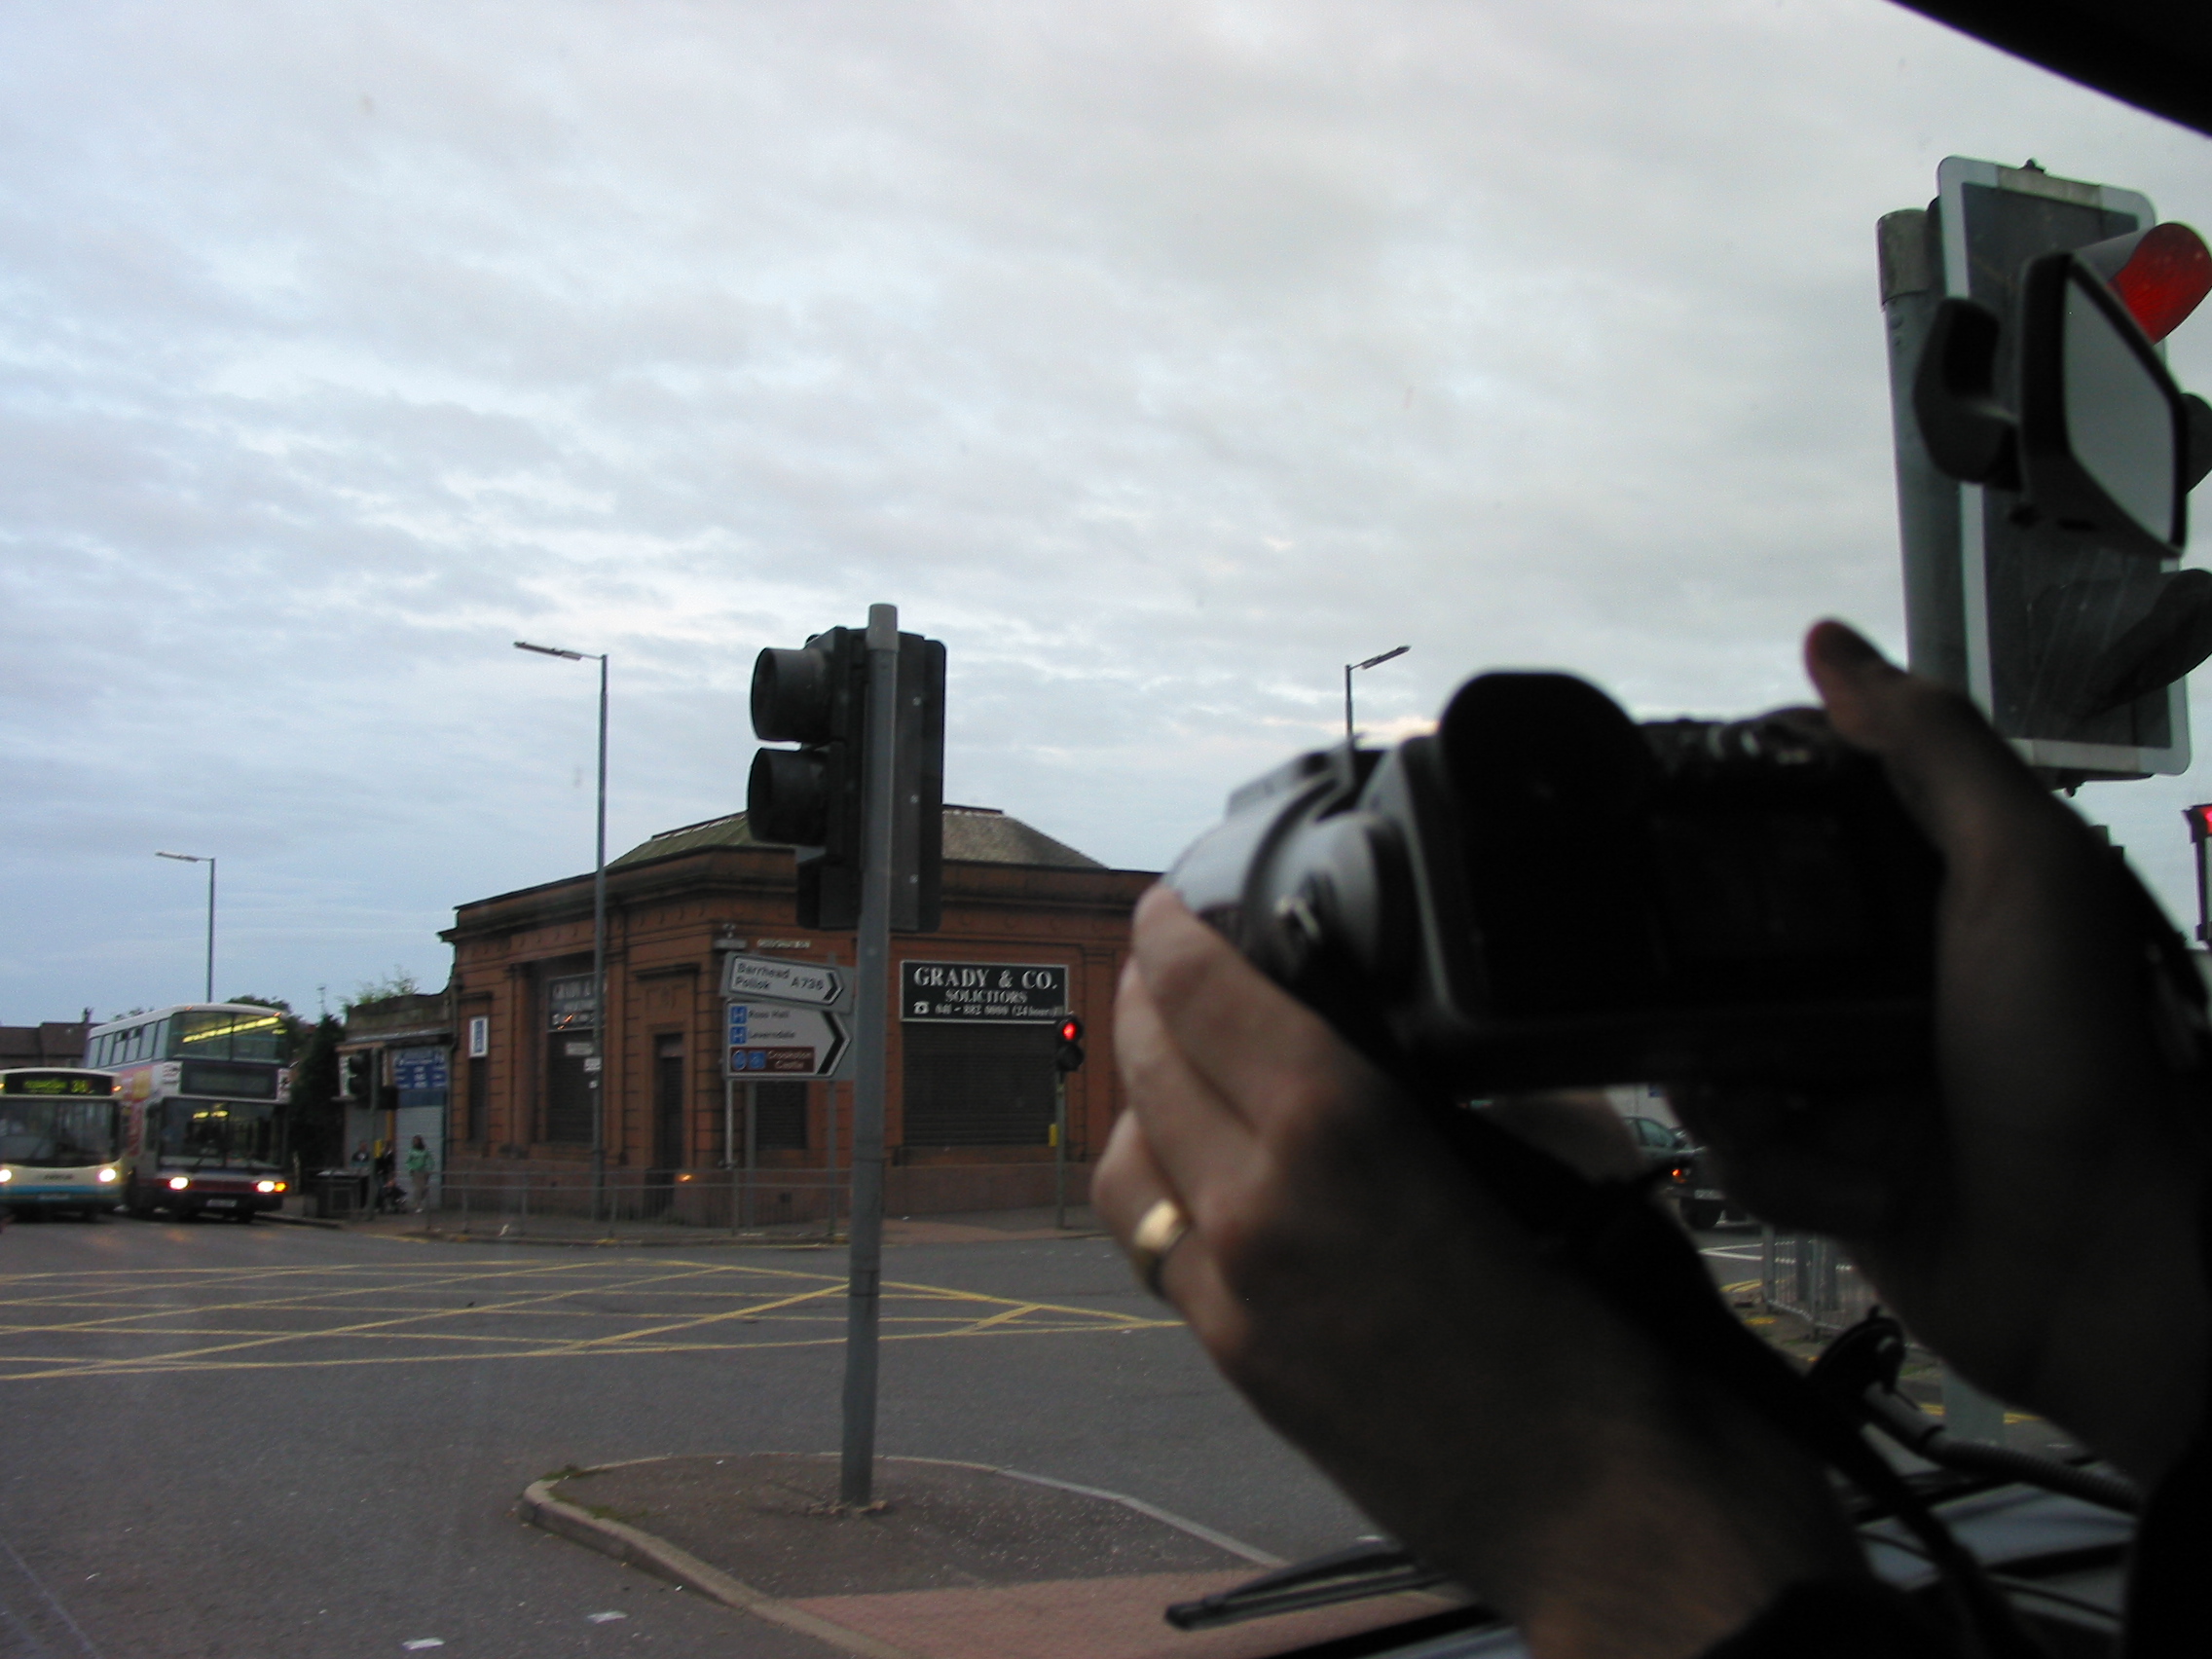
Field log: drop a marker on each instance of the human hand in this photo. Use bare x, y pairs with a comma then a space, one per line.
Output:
2033, 1217
1360, 1287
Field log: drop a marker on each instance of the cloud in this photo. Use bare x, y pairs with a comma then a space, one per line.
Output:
1160, 359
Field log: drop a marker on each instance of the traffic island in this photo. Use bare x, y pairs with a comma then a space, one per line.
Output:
952, 1561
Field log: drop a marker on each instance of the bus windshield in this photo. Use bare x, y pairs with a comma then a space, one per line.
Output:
56, 1134
227, 1132
226, 1034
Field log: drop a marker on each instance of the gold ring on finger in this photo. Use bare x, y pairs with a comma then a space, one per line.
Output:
1161, 1230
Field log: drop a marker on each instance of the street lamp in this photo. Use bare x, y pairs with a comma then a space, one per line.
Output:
1351, 736
598, 934
209, 862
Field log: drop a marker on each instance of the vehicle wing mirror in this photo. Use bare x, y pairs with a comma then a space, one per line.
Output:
2093, 434
2104, 434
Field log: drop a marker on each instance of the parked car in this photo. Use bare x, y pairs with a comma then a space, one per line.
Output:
1701, 1205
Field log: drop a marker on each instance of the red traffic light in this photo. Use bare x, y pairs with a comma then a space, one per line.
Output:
1067, 1053
2160, 275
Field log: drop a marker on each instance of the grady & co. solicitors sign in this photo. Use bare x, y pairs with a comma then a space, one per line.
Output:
964, 992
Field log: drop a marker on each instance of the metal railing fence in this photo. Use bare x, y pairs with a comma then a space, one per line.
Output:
1811, 1276
524, 1201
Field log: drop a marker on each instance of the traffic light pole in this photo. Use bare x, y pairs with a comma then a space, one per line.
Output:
1060, 1150
871, 1017
1928, 503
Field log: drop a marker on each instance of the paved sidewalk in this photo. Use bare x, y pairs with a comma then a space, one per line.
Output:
954, 1561
450, 1226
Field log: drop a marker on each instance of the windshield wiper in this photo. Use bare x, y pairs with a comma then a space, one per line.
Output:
1375, 1567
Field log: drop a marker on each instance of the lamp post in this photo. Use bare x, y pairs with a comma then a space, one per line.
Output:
210, 860
1350, 668
598, 936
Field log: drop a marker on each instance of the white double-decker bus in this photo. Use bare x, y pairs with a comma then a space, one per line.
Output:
60, 1134
203, 1087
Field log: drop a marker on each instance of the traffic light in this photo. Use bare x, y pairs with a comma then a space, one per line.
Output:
2044, 457
809, 798
352, 1076
917, 790
1068, 1055
813, 797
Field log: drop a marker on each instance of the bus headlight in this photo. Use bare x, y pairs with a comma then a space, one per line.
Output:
265, 1186
106, 1175
6, 1175
178, 1183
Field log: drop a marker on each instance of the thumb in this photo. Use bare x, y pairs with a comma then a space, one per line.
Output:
1962, 782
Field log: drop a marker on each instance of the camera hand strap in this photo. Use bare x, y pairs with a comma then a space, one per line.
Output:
1615, 1239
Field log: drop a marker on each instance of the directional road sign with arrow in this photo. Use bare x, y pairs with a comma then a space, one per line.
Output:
777, 1040
769, 979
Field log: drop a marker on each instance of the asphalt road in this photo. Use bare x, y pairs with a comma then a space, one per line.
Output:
219, 1440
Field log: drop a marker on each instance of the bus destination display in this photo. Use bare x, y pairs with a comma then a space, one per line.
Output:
53, 1083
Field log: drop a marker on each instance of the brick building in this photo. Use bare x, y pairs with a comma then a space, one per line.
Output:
970, 1102
50, 1043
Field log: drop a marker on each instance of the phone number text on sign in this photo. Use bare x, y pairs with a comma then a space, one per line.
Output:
963, 992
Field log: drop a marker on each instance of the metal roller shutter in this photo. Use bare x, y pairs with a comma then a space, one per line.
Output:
979, 1085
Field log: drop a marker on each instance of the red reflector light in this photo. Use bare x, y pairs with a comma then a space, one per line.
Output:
2164, 278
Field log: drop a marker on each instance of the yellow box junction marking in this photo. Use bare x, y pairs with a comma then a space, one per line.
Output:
125, 1322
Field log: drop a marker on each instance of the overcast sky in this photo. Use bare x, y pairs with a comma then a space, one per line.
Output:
1159, 357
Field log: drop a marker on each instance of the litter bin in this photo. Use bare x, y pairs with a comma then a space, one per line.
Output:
338, 1194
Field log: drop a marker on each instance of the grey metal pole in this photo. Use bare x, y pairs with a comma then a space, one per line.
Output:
829, 1160
871, 1014
210, 929
1349, 735
751, 1143
729, 1142
599, 971
1060, 1150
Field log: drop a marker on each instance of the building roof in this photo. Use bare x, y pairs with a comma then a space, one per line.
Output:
50, 1043
972, 835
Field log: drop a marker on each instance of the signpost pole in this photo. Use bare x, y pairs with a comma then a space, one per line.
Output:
729, 1140
830, 1137
830, 1160
871, 1016
752, 1144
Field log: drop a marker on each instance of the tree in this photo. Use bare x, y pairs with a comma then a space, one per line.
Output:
318, 1118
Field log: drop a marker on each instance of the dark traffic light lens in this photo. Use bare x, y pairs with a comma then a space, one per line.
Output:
791, 700
785, 797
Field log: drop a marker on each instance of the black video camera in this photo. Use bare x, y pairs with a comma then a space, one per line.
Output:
1544, 894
